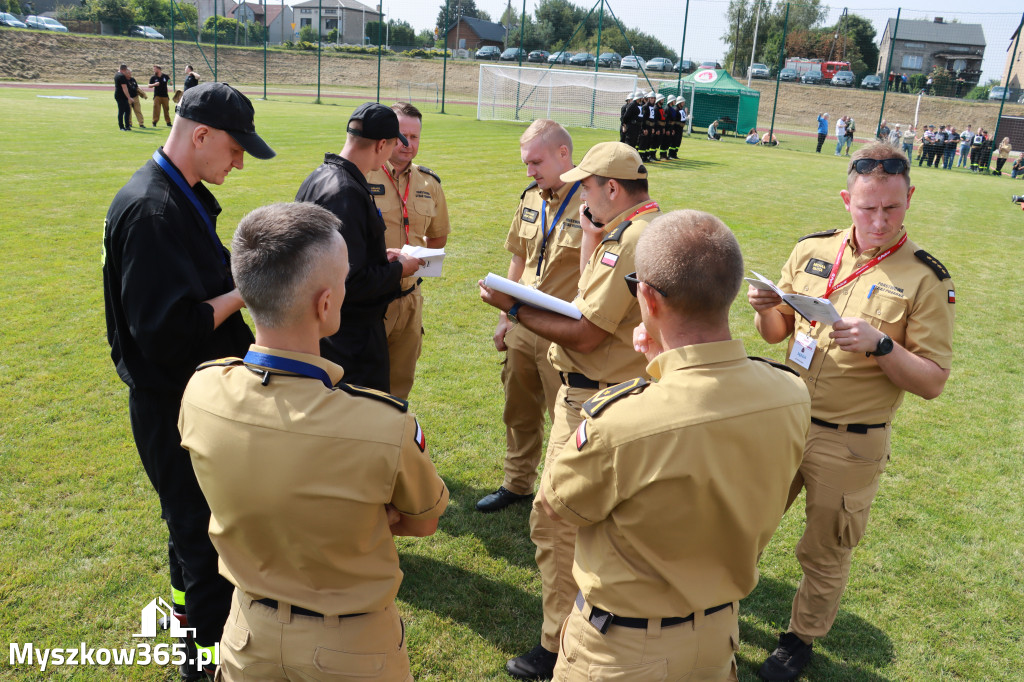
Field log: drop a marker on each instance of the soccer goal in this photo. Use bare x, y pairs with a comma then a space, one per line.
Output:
583, 99
426, 96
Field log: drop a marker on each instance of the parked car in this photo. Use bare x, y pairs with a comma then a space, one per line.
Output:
1021, 100
685, 66
145, 32
610, 60
871, 82
843, 79
583, 59
488, 52
759, 71
11, 21
811, 78
560, 58
631, 61
996, 93
45, 24
660, 64
709, 65
512, 54
789, 75
538, 56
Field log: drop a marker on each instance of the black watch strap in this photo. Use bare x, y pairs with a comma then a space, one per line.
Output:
884, 347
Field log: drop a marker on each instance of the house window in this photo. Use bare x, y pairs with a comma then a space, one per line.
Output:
305, 22
958, 48
305, 11
912, 61
959, 64
914, 46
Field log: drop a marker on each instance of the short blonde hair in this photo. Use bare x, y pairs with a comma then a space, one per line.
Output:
552, 132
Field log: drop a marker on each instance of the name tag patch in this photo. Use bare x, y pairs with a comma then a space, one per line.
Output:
422, 194
529, 215
609, 259
377, 190
818, 268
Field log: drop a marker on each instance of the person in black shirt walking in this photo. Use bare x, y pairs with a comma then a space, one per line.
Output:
123, 98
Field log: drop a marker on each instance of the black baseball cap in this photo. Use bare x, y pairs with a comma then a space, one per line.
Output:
220, 106
379, 123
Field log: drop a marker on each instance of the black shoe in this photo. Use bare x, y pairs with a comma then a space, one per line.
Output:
142, 125
168, 124
538, 664
788, 660
499, 499
190, 670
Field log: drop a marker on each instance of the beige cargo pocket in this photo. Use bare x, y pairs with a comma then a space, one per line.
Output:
655, 671
853, 518
235, 636
570, 236
349, 664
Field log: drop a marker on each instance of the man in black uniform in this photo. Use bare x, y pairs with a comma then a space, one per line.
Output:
123, 98
158, 81
622, 118
191, 79
647, 139
632, 120
374, 280
171, 305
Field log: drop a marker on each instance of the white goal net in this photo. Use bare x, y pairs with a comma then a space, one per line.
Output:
573, 98
426, 96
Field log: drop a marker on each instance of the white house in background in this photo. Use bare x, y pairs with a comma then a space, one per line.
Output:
348, 16
279, 19
225, 8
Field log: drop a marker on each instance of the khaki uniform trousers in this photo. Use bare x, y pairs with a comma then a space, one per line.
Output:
137, 108
403, 323
556, 540
261, 644
158, 104
841, 472
531, 384
703, 649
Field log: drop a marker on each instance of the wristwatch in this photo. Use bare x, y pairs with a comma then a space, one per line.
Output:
511, 314
884, 347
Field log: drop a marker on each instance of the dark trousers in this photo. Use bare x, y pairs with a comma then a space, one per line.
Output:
999, 164
361, 348
124, 113
193, 560
821, 141
633, 134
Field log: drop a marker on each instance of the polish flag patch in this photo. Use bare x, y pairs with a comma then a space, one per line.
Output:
581, 435
952, 296
609, 259
421, 440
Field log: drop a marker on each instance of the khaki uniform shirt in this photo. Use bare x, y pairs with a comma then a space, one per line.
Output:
604, 299
426, 204
560, 269
297, 477
901, 296
680, 487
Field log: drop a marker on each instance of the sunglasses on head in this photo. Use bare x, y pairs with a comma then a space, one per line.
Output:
632, 281
890, 166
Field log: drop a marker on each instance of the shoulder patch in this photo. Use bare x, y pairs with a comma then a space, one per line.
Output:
602, 399
616, 234
376, 190
823, 233
362, 392
931, 261
528, 188
424, 169
223, 362
776, 365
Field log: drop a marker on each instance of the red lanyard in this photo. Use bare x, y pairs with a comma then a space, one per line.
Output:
404, 199
832, 287
646, 208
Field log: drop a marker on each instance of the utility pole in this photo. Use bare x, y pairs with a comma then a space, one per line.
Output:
753, 50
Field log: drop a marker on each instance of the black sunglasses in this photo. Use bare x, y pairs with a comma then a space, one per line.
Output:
890, 166
632, 281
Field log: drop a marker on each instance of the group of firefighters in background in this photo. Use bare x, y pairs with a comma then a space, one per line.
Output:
653, 125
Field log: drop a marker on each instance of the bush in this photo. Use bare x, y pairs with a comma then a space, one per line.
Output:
422, 53
978, 92
916, 82
308, 35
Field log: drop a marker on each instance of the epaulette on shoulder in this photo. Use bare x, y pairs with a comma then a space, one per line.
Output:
776, 365
222, 362
424, 169
823, 233
374, 394
931, 261
616, 234
528, 188
602, 399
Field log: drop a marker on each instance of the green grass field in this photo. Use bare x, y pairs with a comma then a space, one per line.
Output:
936, 586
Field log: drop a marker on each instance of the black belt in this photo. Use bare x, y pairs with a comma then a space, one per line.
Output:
602, 619
577, 380
410, 289
298, 610
852, 428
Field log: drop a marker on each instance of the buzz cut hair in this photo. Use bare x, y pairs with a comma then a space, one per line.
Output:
275, 253
407, 109
693, 258
880, 151
553, 133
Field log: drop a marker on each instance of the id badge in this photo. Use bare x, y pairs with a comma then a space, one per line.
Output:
803, 350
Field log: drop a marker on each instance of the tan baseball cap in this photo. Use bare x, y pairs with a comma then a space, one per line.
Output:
609, 160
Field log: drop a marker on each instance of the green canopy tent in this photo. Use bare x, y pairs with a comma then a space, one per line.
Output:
713, 93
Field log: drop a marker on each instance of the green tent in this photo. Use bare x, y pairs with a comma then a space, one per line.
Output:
713, 93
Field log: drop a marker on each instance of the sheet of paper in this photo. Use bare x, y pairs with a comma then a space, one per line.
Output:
814, 309
531, 296
433, 260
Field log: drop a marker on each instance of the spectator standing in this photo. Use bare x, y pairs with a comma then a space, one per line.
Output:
158, 81
191, 78
123, 98
895, 136
908, 140
840, 133
1002, 155
851, 128
822, 130
882, 135
949, 148
134, 95
966, 138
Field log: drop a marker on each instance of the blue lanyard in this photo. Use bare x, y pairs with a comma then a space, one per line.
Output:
545, 230
178, 180
288, 365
